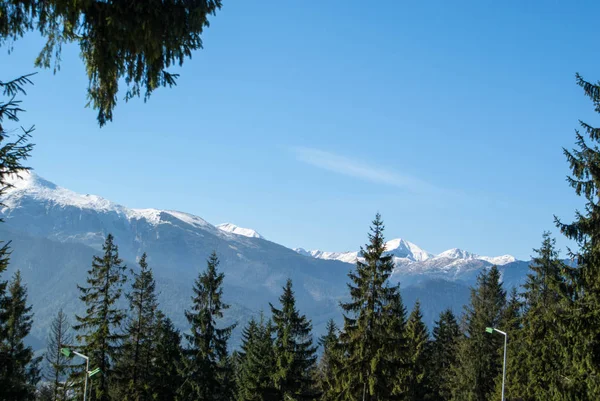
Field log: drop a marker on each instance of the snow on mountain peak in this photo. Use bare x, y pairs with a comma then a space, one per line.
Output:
28, 179
29, 184
456, 253
34, 186
499, 260
404, 249
232, 228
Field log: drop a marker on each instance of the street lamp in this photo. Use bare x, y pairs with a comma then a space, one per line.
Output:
491, 330
67, 352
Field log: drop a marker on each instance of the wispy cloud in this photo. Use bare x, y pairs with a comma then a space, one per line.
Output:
361, 170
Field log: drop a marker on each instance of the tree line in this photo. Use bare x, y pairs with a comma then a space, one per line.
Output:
379, 352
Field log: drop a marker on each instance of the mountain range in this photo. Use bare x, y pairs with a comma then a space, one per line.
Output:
55, 232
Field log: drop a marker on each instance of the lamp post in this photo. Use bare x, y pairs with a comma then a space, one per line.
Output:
491, 330
67, 352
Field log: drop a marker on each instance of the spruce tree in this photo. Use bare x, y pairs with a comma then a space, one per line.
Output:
295, 354
418, 381
20, 369
121, 43
257, 363
329, 364
511, 324
166, 359
583, 324
444, 348
372, 339
479, 362
13, 152
58, 366
204, 358
133, 363
538, 368
98, 330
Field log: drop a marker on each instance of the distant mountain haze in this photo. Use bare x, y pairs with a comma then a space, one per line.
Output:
55, 233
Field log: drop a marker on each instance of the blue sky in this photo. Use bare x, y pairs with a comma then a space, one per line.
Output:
302, 120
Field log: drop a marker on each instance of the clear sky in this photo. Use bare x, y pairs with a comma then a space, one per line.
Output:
303, 119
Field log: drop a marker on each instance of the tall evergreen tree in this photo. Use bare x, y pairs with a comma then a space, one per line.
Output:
20, 369
511, 324
538, 366
329, 364
13, 152
257, 363
98, 330
134, 361
58, 366
478, 362
444, 349
166, 359
204, 358
295, 354
584, 321
151, 37
373, 326
418, 381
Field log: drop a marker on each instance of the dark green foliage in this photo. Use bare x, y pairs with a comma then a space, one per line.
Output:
479, 362
541, 347
329, 364
372, 341
19, 370
257, 363
136, 355
119, 40
57, 366
166, 359
204, 362
417, 376
444, 349
98, 329
544, 348
583, 324
511, 324
12, 154
295, 354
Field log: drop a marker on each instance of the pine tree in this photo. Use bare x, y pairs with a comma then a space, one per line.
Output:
257, 363
511, 324
584, 321
58, 366
418, 381
478, 362
538, 366
99, 328
329, 364
20, 369
151, 37
166, 359
444, 348
134, 360
372, 340
13, 152
207, 351
295, 354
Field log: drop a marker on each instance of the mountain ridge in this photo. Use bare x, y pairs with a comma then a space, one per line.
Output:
57, 231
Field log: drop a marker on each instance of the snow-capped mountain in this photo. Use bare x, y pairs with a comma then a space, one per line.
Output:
55, 232
411, 260
232, 228
346, 257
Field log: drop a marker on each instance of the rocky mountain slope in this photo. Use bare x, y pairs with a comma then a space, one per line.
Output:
55, 233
